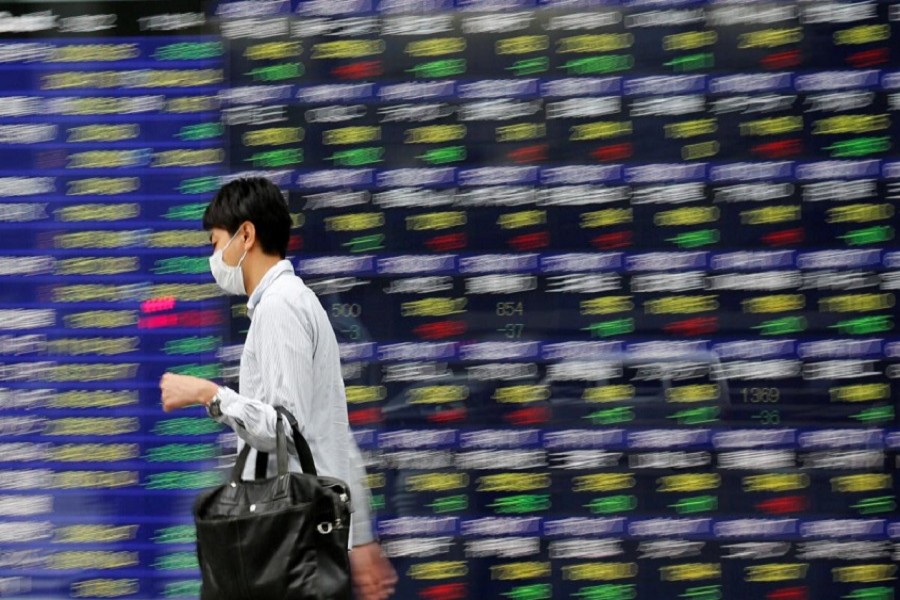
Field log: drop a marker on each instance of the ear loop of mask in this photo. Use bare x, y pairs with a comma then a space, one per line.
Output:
243, 256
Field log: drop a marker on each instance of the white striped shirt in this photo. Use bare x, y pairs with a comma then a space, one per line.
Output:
291, 358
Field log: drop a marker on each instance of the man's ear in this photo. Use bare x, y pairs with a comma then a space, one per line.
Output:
248, 235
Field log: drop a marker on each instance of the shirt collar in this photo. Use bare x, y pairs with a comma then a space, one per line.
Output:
276, 270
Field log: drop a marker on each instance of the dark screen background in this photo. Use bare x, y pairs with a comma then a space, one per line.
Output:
614, 283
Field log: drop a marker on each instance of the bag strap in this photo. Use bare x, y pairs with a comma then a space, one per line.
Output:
262, 465
307, 464
262, 457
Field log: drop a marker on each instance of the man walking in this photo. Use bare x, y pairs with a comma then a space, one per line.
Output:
290, 359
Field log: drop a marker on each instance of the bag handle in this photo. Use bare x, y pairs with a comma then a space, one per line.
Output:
307, 463
280, 450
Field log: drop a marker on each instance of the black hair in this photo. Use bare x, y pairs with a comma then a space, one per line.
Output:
254, 199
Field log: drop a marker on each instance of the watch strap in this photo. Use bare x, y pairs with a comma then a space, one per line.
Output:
214, 408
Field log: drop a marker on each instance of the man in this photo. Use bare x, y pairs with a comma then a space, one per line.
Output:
290, 358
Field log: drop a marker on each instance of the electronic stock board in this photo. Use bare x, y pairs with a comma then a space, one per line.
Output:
614, 284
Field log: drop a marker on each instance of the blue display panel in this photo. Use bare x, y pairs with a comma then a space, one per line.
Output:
614, 284
110, 146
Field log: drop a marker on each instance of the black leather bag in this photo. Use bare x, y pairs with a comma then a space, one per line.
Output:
281, 538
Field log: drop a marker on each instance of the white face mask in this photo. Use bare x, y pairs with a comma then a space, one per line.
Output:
230, 279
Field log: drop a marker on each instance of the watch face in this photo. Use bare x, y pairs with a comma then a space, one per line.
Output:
215, 409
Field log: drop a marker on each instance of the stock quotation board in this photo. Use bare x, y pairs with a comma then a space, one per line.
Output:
614, 282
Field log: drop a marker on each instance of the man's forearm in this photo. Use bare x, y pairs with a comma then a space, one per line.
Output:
361, 521
252, 420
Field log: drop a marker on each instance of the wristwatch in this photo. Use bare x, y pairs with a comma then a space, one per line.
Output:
214, 408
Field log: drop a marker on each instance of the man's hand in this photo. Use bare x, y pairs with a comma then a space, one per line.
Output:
179, 391
373, 576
